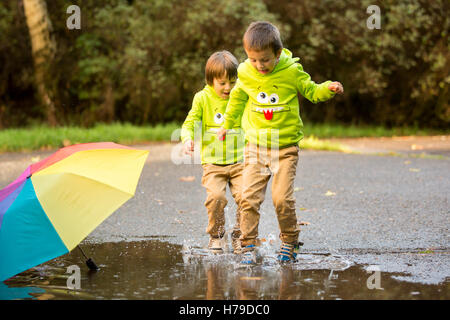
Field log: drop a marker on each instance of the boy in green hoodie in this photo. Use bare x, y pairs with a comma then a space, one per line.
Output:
265, 96
222, 161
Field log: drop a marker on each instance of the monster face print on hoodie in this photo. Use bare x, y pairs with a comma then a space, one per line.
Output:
207, 113
269, 103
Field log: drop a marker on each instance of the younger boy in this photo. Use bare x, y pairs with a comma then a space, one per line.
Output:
221, 160
266, 95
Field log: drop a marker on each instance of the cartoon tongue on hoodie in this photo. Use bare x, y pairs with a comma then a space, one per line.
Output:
268, 103
268, 114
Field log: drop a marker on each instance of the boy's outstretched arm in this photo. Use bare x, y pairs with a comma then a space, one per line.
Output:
187, 129
235, 109
316, 92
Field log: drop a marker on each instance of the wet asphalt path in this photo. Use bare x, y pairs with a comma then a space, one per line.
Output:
384, 210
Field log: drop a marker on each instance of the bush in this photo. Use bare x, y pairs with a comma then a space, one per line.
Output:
142, 61
397, 75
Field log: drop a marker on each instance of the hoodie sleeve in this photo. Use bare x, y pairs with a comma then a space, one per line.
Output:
194, 115
310, 90
236, 105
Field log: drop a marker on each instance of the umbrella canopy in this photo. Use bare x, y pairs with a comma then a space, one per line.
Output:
57, 202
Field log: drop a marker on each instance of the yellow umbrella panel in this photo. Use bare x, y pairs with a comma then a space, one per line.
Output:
80, 191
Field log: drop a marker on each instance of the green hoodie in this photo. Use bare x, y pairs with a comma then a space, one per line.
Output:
269, 103
207, 110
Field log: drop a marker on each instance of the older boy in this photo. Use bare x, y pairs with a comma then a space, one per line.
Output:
266, 95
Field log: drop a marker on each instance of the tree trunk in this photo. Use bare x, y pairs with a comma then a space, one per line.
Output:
107, 107
43, 48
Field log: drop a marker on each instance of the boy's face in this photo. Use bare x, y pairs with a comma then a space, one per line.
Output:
264, 61
223, 86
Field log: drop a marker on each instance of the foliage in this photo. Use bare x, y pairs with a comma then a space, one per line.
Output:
396, 75
152, 65
16, 71
142, 61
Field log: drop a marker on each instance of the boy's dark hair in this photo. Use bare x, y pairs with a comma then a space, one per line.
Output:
219, 64
261, 35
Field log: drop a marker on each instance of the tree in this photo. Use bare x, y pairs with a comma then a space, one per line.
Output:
43, 47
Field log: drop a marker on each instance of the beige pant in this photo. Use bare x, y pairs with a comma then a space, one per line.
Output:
259, 165
215, 179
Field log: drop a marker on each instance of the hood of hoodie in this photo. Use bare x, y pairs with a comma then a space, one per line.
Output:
271, 114
286, 60
272, 109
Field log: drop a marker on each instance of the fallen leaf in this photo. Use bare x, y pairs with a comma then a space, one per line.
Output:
298, 189
35, 159
407, 162
45, 296
416, 147
427, 251
414, 170
187, 179
330, 193
66, 142
303, 223
303, 209
251, 278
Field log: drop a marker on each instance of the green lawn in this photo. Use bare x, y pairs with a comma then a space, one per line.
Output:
352, 131
43, 137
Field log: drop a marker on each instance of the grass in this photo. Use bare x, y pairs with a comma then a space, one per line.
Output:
314, 143
353, 131
46, 138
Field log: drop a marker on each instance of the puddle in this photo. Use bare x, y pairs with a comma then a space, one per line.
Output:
158, 270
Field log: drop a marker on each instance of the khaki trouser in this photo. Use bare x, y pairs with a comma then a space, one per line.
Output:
259, 165
215, 179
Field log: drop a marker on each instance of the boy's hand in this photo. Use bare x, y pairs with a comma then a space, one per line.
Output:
336, 87
221, 133
188, 147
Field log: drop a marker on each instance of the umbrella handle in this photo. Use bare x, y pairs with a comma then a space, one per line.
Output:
89, 262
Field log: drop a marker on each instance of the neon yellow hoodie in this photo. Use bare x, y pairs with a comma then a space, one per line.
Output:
208, 109
269, 103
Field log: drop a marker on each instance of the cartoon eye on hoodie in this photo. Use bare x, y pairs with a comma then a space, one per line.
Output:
268, 102
218, 118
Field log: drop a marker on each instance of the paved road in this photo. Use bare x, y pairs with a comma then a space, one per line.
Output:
412, 145
383, 210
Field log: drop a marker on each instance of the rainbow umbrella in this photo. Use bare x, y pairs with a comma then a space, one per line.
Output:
58, 201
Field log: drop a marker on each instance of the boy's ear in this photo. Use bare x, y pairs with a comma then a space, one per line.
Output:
279, 53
